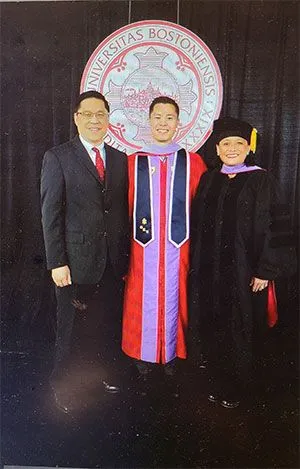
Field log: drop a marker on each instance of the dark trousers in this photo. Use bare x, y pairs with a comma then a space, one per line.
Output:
89, 325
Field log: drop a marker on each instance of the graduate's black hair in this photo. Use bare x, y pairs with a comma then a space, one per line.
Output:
163, 100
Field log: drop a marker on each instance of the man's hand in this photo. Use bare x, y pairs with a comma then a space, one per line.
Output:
258, 284
62, 276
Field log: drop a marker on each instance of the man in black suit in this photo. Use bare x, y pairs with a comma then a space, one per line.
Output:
84, 186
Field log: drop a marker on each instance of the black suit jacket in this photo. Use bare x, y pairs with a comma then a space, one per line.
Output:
84, 221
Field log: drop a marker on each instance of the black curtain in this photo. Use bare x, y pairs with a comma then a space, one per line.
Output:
45, 46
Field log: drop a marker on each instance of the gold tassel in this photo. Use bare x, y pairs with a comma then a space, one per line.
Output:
253, 140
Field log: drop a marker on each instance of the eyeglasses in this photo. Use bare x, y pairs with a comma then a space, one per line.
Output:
88, 115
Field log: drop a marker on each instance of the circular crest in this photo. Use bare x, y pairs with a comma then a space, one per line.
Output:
143, 60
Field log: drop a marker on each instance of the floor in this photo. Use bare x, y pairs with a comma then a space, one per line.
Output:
160, 425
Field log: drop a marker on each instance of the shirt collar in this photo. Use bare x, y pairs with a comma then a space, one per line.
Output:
88, 146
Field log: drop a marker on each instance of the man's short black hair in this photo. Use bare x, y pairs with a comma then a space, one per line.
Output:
163, 100
90, 94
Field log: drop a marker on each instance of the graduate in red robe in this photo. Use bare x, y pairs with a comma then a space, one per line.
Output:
163, 179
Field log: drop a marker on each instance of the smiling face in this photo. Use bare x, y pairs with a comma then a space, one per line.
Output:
233, 150
92, 120
163, 123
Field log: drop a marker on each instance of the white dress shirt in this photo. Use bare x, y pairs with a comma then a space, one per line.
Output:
88, 146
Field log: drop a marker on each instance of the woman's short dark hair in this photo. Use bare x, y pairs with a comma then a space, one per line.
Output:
164, 100
90, 94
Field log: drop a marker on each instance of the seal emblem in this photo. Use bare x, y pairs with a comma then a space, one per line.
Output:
143, 60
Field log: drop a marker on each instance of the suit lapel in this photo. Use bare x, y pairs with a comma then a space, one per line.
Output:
84, 159
109, 166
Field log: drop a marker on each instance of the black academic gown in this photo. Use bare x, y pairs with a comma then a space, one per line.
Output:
231, 243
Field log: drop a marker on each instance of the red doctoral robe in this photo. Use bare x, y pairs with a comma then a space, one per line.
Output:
155, 304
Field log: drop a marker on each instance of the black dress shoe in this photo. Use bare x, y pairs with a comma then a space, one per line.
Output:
144, 368
212, 398
201, 362
110, 388
229, 404
170, 370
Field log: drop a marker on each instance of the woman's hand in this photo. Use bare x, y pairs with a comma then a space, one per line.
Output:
258, 284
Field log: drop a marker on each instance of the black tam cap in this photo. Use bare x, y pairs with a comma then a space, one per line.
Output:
230, 127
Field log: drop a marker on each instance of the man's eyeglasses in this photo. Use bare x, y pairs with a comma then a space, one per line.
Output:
88, 115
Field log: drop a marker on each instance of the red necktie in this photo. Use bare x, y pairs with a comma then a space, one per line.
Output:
99, 163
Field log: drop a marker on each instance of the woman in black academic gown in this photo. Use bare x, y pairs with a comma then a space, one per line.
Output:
232, 261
